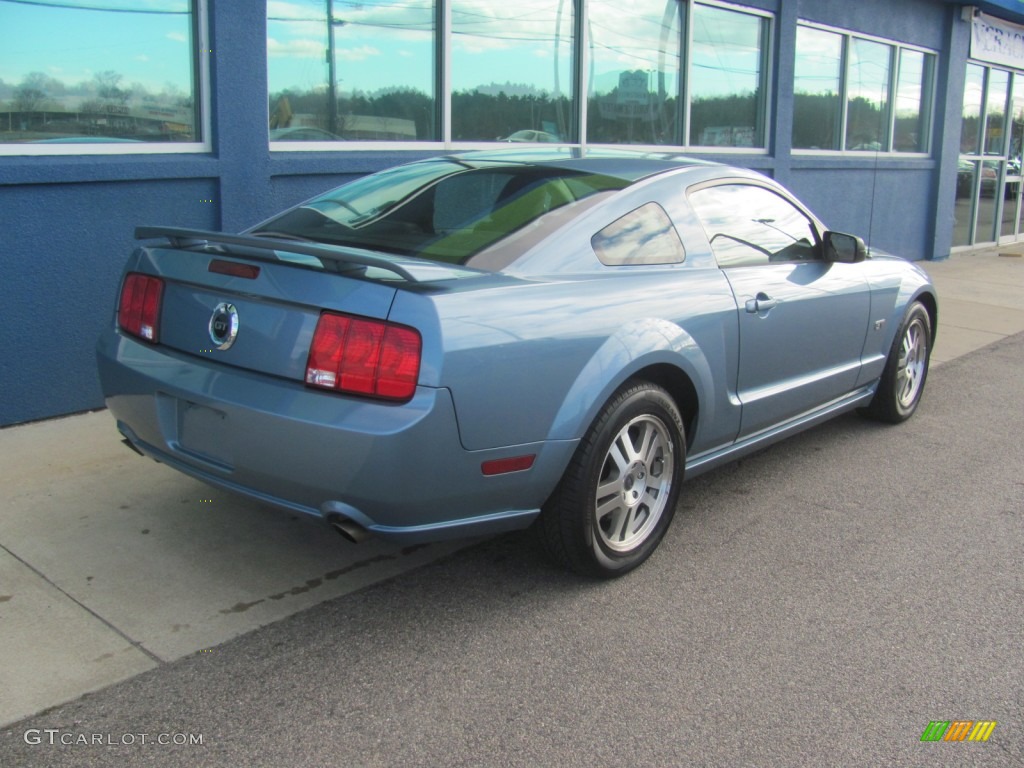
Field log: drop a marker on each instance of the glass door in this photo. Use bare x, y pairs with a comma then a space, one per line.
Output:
989, 174
1011, 220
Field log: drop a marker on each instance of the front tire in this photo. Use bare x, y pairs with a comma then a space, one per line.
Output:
619, 493
902, 383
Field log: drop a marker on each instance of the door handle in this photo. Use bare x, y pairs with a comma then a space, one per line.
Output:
761, 303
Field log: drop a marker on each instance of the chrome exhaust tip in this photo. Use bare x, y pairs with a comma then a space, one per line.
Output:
347, 528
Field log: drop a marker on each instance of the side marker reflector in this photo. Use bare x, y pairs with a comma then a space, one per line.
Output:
505, 466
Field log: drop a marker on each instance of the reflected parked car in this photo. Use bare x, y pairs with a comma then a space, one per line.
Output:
531, 136
478, 343
964, 178
989, 178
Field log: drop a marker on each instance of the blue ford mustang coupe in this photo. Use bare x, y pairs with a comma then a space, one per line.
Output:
476, 343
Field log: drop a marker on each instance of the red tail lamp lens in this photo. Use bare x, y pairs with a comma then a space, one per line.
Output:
364, 357
139, 310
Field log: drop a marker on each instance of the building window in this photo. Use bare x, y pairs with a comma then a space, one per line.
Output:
656, 78
970, 125
511, 71
860, 95
354, 71
91, 74
727, 85
817, 89
654, 72
634, 72
913, 101
867, 95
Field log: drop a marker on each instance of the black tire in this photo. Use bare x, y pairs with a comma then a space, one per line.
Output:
906, 369
619, 492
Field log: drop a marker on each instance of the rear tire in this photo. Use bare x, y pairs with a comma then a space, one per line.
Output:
620, 490
906, 370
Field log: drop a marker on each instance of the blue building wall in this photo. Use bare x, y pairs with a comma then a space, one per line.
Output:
67, 222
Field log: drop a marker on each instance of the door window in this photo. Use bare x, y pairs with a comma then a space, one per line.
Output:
749, 225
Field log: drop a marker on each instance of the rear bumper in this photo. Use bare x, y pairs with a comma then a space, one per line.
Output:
399, 471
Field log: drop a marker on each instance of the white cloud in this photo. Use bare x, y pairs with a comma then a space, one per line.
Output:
286, 10
362, 53
295, 49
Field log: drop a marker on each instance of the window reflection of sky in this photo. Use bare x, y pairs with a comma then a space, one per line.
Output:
641, 36
908, 89
377, 45
390, 44
746, 223
643, 236
726, 51
818, 61
147, 42
868, 71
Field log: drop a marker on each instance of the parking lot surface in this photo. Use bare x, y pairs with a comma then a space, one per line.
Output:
819, 603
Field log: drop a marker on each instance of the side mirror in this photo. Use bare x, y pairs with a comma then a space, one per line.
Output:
846, 249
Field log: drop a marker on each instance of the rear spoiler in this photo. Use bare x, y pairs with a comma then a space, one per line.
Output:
183, 238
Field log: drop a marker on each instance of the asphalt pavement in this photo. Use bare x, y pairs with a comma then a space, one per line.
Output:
820, 603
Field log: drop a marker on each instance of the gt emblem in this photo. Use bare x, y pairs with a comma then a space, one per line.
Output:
224, 325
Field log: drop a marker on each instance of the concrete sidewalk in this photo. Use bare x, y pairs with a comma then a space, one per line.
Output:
981, 299
111, 564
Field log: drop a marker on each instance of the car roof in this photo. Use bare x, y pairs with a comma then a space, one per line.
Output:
628, 165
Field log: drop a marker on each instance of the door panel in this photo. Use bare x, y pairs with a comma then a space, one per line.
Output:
802, 330
802, 320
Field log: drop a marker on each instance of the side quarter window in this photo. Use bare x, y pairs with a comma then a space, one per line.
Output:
644, 236
749, 225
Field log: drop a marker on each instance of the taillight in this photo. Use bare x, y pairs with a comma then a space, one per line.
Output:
139, 310
364, 357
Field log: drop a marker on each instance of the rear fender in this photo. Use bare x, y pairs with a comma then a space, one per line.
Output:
636, 346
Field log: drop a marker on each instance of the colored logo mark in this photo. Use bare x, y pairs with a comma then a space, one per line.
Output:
958, 730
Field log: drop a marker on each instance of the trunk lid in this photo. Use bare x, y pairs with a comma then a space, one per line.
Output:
257, 309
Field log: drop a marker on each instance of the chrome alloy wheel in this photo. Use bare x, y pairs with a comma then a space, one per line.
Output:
635, 484
913, 362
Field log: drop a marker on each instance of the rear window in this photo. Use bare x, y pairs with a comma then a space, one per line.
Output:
444, 210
